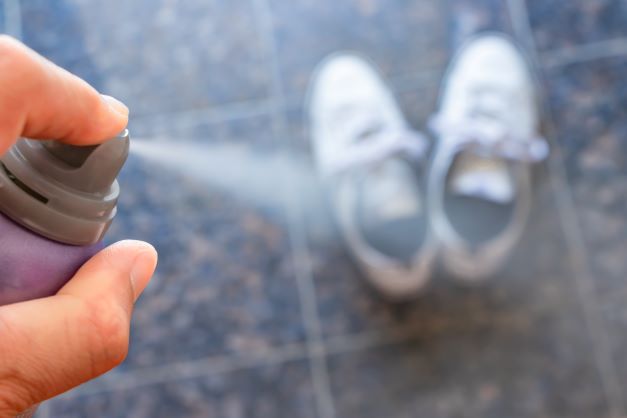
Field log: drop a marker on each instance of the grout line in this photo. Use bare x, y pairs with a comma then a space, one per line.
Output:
213, 115
307, 294
275, 356
13, 18
261, 107
571, 228
403, 334
580, 265
400, 82
301, 257
201, 368
266, 107
369, 340
584, 53
522, 28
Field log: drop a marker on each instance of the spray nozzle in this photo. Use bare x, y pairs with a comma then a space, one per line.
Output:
64, 192
91, 169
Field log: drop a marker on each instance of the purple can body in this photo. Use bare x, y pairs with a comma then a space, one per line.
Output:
33, 267
65, 192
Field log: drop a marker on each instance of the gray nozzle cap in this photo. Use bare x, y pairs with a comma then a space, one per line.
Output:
66, 193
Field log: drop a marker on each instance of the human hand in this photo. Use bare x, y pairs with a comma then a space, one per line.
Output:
51, 345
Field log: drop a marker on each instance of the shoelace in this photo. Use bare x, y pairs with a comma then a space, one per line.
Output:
491, 139
375, 146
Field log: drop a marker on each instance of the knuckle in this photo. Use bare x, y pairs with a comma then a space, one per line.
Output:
14, 395
91, 100
107, 328
6, 327
18, 68
17, 391
10, 336
9, 45
91, 104
12, 53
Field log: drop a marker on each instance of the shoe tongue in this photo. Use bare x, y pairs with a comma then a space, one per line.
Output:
390, 193
482, 178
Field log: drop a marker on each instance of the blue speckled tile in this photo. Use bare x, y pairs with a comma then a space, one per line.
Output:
467, 17
302, 45
560, 24
54, 29
514, 347
155, 55
505, 368
225, 284
2, 18
419, 102
614, 314
402, 38
589, 103
272, 391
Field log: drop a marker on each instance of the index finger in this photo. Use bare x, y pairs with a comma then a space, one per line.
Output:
41, 100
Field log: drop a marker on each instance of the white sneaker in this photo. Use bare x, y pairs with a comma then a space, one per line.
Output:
480, 179
371, 161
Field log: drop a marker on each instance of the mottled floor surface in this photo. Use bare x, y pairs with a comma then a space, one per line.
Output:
256, 310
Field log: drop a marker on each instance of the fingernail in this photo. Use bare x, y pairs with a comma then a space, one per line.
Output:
143, 268
116, 105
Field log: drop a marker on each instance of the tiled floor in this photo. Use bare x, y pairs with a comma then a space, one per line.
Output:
256, 310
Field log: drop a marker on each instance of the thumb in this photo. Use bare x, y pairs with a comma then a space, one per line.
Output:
51, 345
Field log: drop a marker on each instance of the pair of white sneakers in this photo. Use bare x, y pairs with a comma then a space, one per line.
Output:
403, 201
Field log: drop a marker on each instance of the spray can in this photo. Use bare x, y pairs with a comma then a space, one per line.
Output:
57, 201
